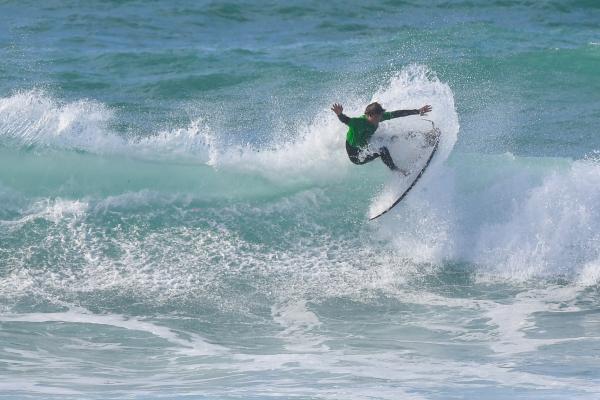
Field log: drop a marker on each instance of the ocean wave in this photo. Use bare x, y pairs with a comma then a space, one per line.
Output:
286, 212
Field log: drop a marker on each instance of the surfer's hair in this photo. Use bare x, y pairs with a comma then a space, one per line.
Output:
374, 109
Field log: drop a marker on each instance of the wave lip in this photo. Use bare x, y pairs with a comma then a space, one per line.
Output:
34, 119
311, 152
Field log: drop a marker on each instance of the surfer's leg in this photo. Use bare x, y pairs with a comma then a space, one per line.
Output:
387, 158
354, 154
369, 157
358, 156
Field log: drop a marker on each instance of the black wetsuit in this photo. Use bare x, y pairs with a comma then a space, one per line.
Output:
360, 131
354, 154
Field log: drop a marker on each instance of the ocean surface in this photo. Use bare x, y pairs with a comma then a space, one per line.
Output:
179, 219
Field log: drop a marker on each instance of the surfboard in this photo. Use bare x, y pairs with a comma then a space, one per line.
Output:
413, 153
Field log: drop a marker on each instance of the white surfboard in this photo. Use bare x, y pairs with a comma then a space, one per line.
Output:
412, 153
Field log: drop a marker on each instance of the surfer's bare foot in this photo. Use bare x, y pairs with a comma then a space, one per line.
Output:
402, 171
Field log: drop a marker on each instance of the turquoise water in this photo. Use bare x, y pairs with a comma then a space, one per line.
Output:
178, 218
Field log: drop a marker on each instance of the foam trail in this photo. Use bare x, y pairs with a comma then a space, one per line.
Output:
196, 346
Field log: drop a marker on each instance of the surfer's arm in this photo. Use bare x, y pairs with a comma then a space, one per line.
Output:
399, 113
344, 118
404, 113
338, 110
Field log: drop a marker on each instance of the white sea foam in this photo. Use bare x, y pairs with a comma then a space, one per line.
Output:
298, 323
52, 210
551, 231
315, 156
516, 219
590, 274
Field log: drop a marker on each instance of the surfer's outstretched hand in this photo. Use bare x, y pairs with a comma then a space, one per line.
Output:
337, 108
424, 110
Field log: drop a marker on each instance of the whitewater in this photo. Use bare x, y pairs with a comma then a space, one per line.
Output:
179, 218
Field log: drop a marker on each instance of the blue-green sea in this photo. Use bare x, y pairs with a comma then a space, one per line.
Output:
179, 218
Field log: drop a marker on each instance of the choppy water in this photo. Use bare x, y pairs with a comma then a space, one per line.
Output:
178, 217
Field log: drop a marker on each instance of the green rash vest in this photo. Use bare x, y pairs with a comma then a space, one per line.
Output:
360, 129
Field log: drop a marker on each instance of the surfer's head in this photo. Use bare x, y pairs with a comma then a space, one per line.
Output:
374, 112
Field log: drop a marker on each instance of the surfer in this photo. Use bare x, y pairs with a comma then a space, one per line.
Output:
361, 129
